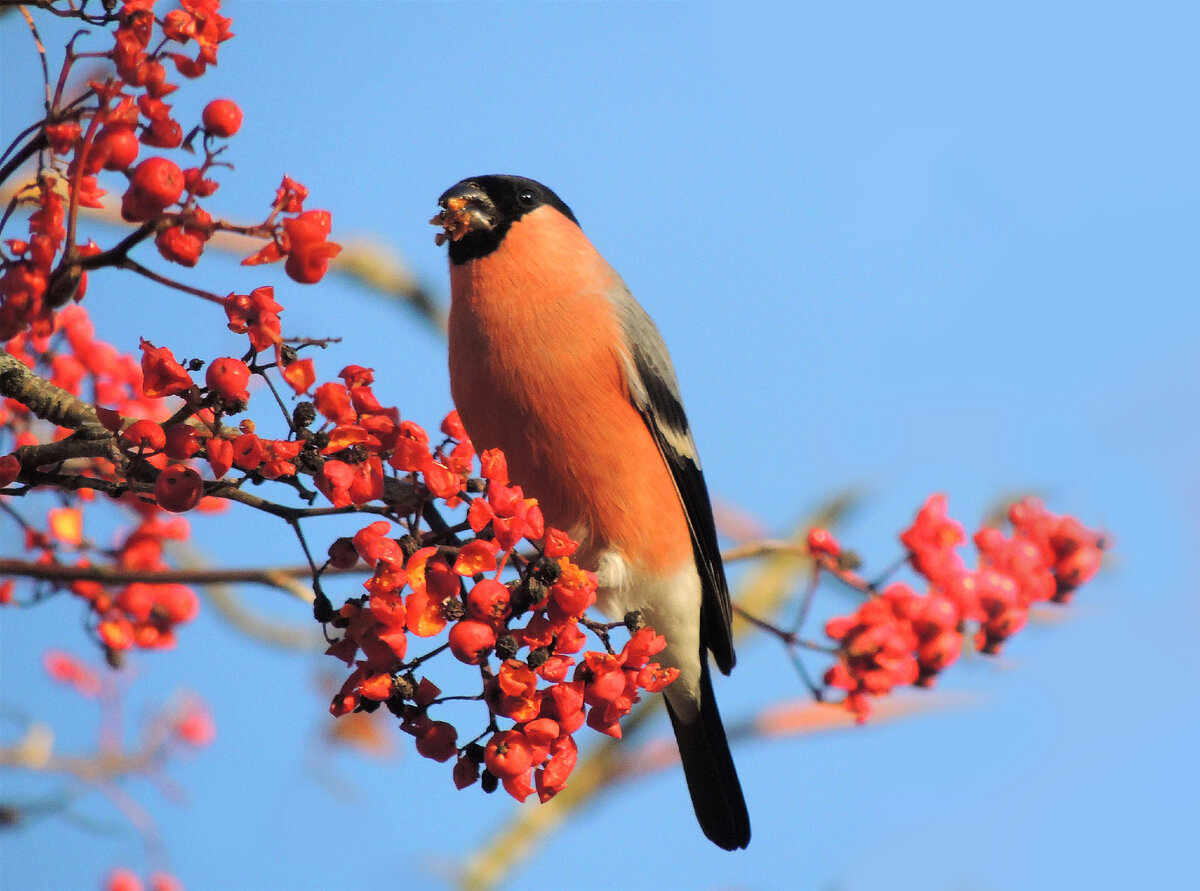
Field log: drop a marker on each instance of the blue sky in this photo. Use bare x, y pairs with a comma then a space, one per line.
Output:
917, 249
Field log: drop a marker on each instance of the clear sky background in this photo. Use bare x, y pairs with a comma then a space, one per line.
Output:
908, 248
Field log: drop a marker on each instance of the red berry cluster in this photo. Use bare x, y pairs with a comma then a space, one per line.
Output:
362, 434
185, 724
74, 360
517, 618
303, 240
66, 669
123, 879
899, 637
416, 592
105, 131
166, 429
180, 439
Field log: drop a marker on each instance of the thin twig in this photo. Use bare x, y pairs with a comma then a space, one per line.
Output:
786, 636
134, 266
280, 577
41, 48
764, 548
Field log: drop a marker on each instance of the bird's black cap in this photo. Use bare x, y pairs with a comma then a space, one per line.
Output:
487, 206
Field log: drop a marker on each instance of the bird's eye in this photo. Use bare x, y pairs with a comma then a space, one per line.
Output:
527, 198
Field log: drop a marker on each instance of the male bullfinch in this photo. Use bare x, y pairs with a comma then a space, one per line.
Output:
555, 363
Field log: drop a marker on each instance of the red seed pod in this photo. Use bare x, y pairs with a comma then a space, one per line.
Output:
248, 452
116, 632
220, 456
466, 772
62, 137
155, 80
163, 132
164, 881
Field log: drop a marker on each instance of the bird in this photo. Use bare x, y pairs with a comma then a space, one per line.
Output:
555, 363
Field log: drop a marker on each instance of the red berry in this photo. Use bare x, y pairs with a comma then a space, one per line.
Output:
118, 146
439, 741
155, 183
136, 600
939, 651
10, 469
145, 435
196, 727
178, 488
181, 245
176, 603
116, 632
123, 880
228, 377
471, 641
222, 117
1076, 568
821, 541
162, 881
488, 601
508, 754
182, 442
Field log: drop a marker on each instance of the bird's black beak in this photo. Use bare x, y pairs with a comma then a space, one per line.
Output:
465, 208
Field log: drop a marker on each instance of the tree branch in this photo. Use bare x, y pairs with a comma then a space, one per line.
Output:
44, 399
282, 577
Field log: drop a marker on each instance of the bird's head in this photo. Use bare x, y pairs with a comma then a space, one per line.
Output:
478, 212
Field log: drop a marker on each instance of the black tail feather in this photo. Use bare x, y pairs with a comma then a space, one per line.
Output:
708, 767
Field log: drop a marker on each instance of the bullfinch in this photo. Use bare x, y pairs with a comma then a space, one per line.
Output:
554, 362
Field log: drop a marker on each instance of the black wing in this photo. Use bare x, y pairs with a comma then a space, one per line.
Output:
654, 391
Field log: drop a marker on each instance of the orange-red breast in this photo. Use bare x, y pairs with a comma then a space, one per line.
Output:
554, 362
